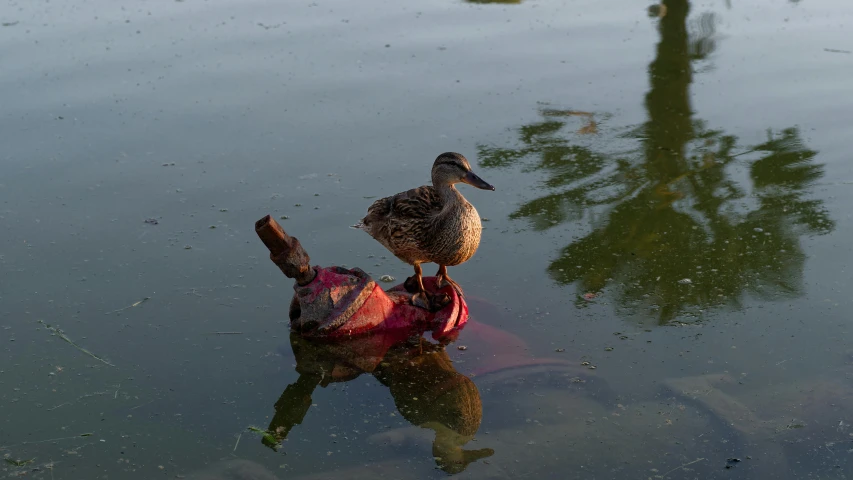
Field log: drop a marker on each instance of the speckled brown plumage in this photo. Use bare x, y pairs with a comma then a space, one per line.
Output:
430, 223
417, 227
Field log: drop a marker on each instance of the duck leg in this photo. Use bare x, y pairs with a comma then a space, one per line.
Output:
445, 280
420, 299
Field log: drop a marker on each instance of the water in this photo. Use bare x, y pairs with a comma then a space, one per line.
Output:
671, 198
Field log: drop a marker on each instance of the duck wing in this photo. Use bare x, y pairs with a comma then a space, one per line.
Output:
400, 221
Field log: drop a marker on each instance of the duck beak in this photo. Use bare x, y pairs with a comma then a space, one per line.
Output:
472, 179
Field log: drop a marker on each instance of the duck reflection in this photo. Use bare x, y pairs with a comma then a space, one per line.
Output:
684, 217
427, 390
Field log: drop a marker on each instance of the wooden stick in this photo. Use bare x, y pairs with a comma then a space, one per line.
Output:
285, 251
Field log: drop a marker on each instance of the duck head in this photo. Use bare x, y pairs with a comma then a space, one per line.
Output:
450, 168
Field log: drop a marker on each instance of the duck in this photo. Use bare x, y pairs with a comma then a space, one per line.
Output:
430, 224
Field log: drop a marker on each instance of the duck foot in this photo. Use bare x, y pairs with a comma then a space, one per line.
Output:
429, 302
444, 280
421, 300
439, 301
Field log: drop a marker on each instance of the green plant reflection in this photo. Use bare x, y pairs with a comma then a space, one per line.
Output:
683, 217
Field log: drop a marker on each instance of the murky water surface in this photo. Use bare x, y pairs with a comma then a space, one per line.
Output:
662, 288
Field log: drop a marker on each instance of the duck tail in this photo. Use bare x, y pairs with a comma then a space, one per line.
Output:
359, 226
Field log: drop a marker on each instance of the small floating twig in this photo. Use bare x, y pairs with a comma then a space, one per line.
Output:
81, 397
130, 306
682, 466
227, 333
742, 153
144, 404
238, 442
5, 447
61, 335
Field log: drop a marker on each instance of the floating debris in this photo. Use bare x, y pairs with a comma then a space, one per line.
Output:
19, 463
136, 304
151, 221
685, 281
267, 27
585, 364
681, 466
284, 217
61, 335
462, 347
589, 127
268, 438
49, 440
589, 296
560, 350
188, 247
608, 349
386, 278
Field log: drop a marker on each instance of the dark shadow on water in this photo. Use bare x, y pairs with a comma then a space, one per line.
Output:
683, 217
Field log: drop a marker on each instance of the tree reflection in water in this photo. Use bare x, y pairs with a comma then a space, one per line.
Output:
684, 217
